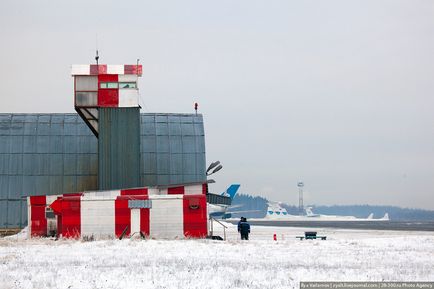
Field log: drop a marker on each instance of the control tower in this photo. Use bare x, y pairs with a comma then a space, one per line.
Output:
107, 98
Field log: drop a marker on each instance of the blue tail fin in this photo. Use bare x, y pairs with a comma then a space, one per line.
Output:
232, 191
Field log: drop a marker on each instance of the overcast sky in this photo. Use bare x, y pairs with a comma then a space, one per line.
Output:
339, 94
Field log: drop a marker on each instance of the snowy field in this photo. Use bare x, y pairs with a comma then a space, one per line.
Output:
346, 255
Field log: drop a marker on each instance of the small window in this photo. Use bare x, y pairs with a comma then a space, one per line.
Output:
108, 85
127, 85
140, 204
49, 214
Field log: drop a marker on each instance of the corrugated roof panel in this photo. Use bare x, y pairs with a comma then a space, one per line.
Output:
43, 144
4, 144
44, 118
15, 164
162, 128
4, 187
148, 144
28, 144
56, 165
160, 118
57, 118
189, 164
163, 144
43, 128
56, 183
175, 144
163, 163
176, 164
175, 128
149, 166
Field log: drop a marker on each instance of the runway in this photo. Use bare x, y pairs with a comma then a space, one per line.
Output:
363, 225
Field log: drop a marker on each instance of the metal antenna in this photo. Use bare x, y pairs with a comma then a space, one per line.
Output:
97, 57
137, 68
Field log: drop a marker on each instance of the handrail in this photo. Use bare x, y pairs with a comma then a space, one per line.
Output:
221, 224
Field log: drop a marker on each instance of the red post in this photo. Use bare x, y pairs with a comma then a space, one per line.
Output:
275, 237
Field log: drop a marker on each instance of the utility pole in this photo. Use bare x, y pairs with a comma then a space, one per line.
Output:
300, 186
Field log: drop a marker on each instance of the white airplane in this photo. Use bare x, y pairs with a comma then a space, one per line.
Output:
276, 212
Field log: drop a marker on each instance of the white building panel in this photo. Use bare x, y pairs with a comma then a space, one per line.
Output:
97, 217
115, 69
86, 83
153, 191
166, 217
135, 221
51, 199
193, 190
102, 194
127, 78
128, 97
80, 69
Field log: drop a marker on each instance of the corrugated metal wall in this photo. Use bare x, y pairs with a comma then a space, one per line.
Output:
56, 153
172, 149
43, 154
119, 148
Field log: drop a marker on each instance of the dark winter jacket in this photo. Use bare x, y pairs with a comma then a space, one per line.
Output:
243, 227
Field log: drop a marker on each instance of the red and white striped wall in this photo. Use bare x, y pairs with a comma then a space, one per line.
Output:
90, 89
93, 69
175, 212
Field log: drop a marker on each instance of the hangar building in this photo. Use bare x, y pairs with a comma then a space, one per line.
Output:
43, 154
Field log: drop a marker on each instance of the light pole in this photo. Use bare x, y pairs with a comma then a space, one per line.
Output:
300, 186
215, 167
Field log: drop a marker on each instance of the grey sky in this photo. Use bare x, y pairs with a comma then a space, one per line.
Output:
336, 93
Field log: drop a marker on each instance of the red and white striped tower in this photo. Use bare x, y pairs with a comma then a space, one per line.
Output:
98, 86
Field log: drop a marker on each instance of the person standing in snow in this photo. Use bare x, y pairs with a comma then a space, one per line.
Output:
244, 228
239, 222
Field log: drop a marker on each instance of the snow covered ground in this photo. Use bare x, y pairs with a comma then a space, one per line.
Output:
346, 255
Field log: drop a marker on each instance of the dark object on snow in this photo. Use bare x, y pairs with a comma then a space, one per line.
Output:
123, 233
311, 236
215, 238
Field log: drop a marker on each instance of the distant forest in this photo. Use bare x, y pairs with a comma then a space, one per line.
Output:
257, 207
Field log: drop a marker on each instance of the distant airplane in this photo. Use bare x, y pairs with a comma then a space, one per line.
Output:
276, 212
219, 204
231, 191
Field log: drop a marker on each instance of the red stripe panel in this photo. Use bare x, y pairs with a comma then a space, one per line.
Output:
100, 69
56, 206
59, 216
71, 216
107, 78
122, 216
144, 222
195, 218
38, 219
133, 69
175, 191
108, 97
144, 219
204, 188
135, 192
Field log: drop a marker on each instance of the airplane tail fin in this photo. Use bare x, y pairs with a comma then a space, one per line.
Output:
371, 216
232, 190
386, 217
274, 210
